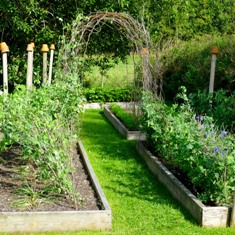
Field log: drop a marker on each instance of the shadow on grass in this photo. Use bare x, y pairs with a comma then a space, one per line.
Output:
126, 172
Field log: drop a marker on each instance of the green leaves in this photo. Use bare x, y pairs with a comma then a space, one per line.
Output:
44, 122
103, 95
188, 64
195, 145
220, 105
129, 119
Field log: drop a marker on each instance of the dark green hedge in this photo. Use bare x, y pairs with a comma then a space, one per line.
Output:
103, 95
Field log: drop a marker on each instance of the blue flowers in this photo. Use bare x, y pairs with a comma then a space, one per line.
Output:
223, 133
199, 118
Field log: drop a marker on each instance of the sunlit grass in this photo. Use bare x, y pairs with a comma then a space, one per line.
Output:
140, 204
121, 75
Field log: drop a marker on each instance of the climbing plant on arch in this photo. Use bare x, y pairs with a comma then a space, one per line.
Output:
137, 37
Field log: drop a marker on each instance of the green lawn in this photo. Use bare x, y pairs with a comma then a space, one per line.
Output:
140, 204
121, 75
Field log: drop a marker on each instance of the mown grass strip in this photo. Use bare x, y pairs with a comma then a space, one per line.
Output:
140, 204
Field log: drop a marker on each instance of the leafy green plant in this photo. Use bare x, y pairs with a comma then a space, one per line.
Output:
128, 119
44, 123
220, 105
194, 144
103, 95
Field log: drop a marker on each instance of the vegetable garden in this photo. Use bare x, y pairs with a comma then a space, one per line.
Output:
193, 129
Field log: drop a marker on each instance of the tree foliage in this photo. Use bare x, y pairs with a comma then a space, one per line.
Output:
185, 19
44, 21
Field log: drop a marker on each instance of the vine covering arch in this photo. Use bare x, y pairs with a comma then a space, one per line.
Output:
79, 34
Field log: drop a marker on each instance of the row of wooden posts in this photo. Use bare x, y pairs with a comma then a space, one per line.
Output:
29, 79
45, 49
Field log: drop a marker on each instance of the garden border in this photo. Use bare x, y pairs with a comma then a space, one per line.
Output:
62, 221
206, 216
130, 135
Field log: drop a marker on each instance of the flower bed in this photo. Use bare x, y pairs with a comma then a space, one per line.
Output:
195, 145
204, 215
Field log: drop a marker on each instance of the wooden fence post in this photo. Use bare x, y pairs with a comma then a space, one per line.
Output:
44, 51
29, 80
232, 220
52, 48
5, 51
214, 52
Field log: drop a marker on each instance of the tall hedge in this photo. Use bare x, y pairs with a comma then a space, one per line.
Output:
188, 64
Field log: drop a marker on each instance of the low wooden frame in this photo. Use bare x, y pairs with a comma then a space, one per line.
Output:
130, 135
206, 216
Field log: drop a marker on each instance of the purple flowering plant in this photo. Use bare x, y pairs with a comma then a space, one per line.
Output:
194, 144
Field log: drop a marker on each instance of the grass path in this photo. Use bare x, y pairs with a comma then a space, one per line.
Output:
140, 204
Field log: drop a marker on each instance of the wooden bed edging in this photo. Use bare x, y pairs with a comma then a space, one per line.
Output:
206, 216
130, 135
61, 221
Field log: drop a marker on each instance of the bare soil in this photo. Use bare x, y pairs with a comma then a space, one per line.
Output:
81, 182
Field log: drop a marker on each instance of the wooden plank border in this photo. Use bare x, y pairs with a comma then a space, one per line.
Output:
130, 135
204, 215
62, 221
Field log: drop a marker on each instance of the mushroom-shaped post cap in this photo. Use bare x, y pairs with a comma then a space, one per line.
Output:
52, 47
144, 51
215, 50
33, 44
45, 48
30, 47
4, 47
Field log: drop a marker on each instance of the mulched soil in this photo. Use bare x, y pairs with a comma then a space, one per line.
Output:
81, 183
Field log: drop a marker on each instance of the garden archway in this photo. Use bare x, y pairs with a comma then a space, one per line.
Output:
136, 33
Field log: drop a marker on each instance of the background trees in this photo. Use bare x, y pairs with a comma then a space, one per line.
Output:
44, 21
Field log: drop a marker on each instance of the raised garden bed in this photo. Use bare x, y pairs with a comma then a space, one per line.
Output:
61, 221
121, 128
207, 216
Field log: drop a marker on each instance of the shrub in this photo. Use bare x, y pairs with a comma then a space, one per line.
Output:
188, 64
103, 95
195, 145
